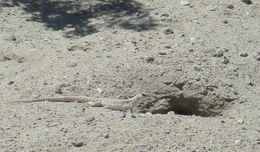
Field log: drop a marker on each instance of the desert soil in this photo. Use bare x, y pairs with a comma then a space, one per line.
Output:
200, 63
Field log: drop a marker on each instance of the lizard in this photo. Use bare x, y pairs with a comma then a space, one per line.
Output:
110, 103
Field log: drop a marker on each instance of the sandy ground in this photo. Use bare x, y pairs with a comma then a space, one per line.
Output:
201, 61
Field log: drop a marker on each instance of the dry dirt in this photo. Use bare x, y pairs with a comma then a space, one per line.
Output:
200, 62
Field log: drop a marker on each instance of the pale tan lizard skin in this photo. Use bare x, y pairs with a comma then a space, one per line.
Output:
114, 104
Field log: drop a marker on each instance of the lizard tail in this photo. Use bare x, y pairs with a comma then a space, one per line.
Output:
51, 99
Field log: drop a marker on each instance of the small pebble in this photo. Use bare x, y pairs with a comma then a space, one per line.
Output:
150, 59
71, 65
225, 60
240, 121
185, 2
122, 114
171, 113
197, 68
106, 136
90, 119
243, 54
258, 58
237, 142
168, 31
247, 1
77, 144
225, 21
76, 47
162, 53
218, 54
11, 82
13, 38
230, 6
167, 47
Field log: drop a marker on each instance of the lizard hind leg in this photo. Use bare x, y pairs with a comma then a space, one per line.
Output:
95, 104
92, 104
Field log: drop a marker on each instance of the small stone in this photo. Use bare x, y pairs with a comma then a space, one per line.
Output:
58, 88
13, 38
99, 90
185, 2
225, 60
171, 113
240, 121
197, 68
76, 47
162, 53
11, 82
237, 142
150, 59
71, 65
247, 1
122, 114
164, 17
258, 58
167, 47
106, 136
244, 54
230, 6
90, 119
133, 116
168, 31
192, 39
77, 144
212, 9
218, 54
225, 21
222, 121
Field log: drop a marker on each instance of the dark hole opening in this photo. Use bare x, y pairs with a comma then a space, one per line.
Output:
186, 106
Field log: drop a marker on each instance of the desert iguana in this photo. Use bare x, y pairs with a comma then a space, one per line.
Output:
114, 104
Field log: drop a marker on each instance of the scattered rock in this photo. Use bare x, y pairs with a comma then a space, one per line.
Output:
167, 47
71, 64
230, 6
162, 53
244, 54
247, 1
164, 17
258, 58
76, 47
225, 21
212, 9
240, 121
225, 60
90, 119
150, 59
122, 114
58, 88
11, 82
219, 54
168, 31
197, 68
185, 2
106, 136
77, 144
237, 142
13, 38
2, 76
171, 113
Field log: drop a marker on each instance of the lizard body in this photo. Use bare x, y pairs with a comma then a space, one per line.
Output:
114, 104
